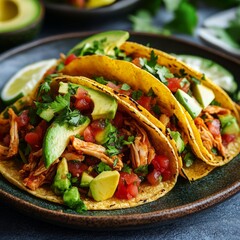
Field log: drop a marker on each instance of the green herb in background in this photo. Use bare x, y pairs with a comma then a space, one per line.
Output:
184, 16
231, 33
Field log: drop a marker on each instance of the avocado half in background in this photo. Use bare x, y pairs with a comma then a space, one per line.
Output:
20, 21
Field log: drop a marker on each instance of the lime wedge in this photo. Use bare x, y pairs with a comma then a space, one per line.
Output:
218, 74
23, 82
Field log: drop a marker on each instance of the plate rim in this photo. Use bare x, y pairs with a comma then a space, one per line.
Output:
116, 221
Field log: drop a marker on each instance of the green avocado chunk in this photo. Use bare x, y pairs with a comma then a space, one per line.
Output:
203, 94
102, 136
104, 185
61, 181
71, 198
113, 39
57, 138
85, 180
178, 140
189, 103
105, 106
229, 124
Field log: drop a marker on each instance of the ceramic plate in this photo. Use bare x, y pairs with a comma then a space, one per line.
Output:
184, 199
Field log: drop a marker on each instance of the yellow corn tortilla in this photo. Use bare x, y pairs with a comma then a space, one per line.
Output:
10, 168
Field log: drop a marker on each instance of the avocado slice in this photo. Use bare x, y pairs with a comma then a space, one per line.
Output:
189, 103
57, 138
178, 140
61, 181
105, 106
85, 179
229, 124
102, 136
17, 26
113, 39
104, 185
203, 94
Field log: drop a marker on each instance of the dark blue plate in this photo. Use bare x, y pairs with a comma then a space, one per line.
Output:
184, 199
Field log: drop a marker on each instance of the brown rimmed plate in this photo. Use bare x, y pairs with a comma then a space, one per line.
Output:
183, 200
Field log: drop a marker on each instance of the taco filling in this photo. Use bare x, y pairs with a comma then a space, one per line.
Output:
82, 142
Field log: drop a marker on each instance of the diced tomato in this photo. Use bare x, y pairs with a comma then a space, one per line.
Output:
131, 178
83, 101
70, 58
127, 186
35, 138
166, 175
88, 135
132, 190
227, 138
214, 127
145, 101
76, 168
118, 120
174, 84
160, 163
153, 177
23, 119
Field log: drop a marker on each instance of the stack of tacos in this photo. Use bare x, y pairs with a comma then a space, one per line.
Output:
116, 128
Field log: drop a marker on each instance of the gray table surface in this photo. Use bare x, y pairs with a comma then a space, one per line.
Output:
221, 221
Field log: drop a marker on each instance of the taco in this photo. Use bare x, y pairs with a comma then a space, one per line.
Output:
208, 117
80, 145
124, 79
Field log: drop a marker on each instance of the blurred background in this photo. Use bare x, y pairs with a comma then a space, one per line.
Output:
27, 20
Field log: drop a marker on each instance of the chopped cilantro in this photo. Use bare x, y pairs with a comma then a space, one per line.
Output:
215, 103
101, 80
214, 151
102, 167
151, 93
137, 94
60, 66
126, 168
142, 170
163, 73
156, 109
72, 118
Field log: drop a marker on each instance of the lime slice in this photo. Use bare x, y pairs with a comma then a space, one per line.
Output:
25, 80
218, 74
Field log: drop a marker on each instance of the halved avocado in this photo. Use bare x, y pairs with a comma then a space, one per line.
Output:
20, 21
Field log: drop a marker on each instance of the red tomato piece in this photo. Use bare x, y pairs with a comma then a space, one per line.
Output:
214, 127
76, 168
145, 101
153, 177
166, 175
23, 119
160, 163
77, 3
83, 101
174, 84
127, 186
70, 58
227, 138
33, 139
88, 135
